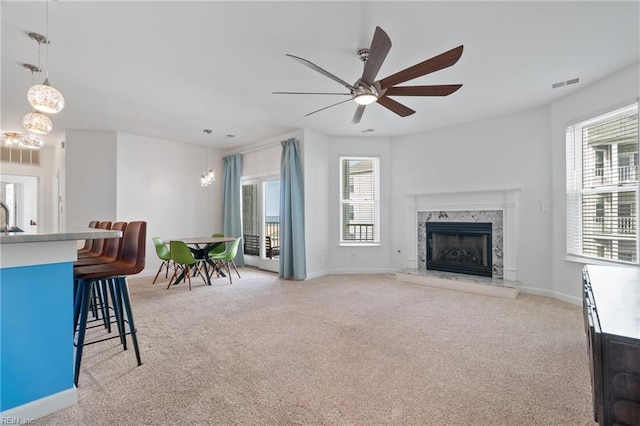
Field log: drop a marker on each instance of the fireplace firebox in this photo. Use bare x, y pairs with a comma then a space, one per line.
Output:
461, 247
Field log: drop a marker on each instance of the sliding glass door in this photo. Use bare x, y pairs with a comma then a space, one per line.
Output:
261, 222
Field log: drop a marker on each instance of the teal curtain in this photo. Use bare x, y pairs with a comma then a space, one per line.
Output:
231, 202
292, 251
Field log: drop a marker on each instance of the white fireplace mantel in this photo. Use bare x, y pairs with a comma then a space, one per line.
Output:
492, 199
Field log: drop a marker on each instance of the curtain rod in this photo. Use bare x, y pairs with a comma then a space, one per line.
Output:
258, 148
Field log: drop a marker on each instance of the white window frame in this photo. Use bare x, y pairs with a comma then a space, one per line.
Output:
375, 202
575, 192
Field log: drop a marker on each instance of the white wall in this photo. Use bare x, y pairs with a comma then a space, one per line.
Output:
262, 162
158, 181
123, 177
354, 259
316, 202
599, 97
90, 177
511, 151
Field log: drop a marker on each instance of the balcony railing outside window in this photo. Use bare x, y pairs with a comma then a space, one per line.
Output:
360, 232
272, 230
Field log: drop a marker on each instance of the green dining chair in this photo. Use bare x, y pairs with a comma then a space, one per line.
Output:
226, 258
220, 248
182, 255
162, 250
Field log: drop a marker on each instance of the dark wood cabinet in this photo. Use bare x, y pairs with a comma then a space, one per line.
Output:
611, 307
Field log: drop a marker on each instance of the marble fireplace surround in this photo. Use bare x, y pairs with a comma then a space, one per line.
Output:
494, 217
498, 206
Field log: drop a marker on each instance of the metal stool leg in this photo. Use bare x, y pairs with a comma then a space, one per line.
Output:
124, 290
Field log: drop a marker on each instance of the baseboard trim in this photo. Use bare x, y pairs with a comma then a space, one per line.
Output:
469, 287
552, 294
42, 407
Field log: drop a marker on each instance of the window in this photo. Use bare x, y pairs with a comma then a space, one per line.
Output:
359, 200
17, 155
602, 186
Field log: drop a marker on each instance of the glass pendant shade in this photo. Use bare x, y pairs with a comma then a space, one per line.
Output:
37, 123
45, 98
31, 141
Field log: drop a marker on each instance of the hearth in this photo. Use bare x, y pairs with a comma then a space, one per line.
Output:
461, 247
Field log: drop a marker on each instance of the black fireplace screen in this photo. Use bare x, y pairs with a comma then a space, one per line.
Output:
461, 247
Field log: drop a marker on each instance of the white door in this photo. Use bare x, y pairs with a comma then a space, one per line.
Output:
261, 222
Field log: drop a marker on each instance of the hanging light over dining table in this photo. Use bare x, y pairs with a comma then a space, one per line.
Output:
208, 176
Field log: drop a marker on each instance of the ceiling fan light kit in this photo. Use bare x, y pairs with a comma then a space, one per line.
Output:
367, 90
365, 98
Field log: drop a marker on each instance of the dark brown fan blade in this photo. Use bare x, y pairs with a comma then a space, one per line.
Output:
380, 46
358, 115
441, 90
394, 106
321, 71
322, 109
308, 93
436, 63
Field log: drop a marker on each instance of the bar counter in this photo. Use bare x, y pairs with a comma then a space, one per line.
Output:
36, 321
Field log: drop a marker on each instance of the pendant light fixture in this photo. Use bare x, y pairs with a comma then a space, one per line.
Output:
37, 123
209, 175
31, 141
44, 97
34, 121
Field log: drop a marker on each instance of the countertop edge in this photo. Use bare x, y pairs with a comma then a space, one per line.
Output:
76, 234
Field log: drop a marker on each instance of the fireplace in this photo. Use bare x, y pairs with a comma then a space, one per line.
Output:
461, 247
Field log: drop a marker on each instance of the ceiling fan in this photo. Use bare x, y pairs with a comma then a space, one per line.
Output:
366, 90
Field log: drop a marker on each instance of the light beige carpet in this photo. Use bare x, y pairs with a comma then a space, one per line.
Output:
346, 350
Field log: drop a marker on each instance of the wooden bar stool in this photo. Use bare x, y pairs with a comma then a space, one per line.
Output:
113, 278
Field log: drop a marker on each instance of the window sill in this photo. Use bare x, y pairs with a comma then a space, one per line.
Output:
596, 261
360, 244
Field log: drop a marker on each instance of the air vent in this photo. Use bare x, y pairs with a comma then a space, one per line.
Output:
565, 83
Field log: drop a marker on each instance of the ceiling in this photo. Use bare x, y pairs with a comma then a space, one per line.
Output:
171, 69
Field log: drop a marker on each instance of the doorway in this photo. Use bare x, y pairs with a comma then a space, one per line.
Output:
261, 222
20, 195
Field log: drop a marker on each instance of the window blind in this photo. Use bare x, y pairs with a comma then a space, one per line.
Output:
602, 186
359, 199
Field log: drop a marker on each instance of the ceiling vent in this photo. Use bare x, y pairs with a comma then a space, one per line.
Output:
565, 83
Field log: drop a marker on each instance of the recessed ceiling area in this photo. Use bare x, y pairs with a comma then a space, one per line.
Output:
170, 69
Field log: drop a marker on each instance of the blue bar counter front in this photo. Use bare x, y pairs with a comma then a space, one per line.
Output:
36, 332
